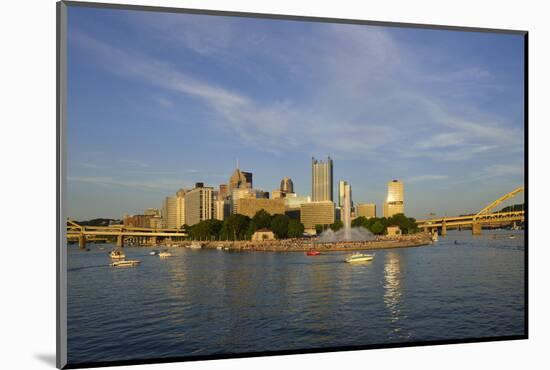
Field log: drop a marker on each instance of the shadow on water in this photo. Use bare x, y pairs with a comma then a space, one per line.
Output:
47, 358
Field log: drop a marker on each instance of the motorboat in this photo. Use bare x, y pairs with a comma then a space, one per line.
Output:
153, 253
117, 254
219, 248
359, 257
125, 263
164, 254
313, 253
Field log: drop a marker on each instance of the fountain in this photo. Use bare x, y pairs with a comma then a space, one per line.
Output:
346, 233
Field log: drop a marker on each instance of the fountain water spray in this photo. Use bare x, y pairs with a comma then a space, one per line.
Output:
347, 233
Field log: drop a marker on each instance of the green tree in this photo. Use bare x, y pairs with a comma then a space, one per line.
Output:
262, 219
378, 228
295, 228
279, 226
359, 222
235, 227
337, 225
250, 230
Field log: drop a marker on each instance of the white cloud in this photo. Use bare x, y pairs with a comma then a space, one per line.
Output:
366, 97
152, 185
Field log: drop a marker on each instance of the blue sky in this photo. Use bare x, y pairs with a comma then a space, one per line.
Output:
159, 101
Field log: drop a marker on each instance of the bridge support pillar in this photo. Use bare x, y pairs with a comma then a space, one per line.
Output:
476, 228
154, 240
82, 241
444, 228
120, 241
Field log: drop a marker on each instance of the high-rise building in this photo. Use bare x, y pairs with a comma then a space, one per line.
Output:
249, 206
199, 204
341, 193
239, 180
173, 210
287, 186
394, 203
293, 201
245, 193
316, 213
222, 209
321, 180
169, 212
224, 191
366, 210
151, 212
277, 194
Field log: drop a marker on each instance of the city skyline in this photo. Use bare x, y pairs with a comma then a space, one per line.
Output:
436, 110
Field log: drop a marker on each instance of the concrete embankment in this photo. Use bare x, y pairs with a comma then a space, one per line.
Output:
306, 244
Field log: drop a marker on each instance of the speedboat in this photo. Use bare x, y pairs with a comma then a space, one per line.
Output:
117, 254
359, 257
125, 263
313, 253
153, 253
164, 254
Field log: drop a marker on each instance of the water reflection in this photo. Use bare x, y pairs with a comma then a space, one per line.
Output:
393, 290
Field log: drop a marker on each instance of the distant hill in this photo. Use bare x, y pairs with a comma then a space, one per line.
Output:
99, 222
514, 208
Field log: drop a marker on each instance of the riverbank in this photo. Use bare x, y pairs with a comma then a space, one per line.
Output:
306, 244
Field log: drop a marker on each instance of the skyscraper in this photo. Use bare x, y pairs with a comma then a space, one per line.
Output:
341, 192
321, 180
394, 200
287, 186
367, 210
239, 179
198, 204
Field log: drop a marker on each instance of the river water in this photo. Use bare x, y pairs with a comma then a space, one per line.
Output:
204, 302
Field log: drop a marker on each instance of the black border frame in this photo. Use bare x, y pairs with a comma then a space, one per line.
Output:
61, 346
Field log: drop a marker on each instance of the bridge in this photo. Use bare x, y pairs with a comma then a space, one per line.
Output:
484, 217
121, 232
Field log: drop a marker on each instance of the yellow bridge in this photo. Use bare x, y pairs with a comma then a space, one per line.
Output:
121, 232
484, 217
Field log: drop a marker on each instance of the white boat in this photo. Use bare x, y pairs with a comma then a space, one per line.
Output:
359, 257
125, 263
153, 253
219, 248
117, 254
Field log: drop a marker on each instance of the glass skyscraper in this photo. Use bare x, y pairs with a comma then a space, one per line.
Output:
321, 180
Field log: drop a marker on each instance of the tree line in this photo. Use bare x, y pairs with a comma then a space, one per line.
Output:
376, 225
241, 227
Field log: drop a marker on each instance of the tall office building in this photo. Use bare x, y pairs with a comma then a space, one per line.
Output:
245, 193
366, 210
169, 212
198, 204
287, 186
173, 210
222, 209
341, 193
394, 201
239, 180
316, 213
321, 180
